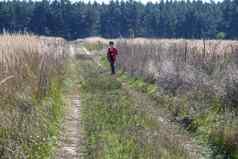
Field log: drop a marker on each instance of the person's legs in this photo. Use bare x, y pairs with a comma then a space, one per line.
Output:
112, 68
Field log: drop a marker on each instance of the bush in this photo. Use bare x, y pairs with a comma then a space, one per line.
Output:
221, 35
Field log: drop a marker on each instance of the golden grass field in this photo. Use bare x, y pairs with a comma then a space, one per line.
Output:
25, 57
212, 46
30, 67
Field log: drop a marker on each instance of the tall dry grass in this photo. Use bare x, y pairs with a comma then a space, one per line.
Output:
179, 65
28, 67
199, 76
27, 62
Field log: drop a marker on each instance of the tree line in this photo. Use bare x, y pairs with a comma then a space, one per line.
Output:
166, 19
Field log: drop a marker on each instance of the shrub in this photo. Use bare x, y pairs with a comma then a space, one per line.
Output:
221, 35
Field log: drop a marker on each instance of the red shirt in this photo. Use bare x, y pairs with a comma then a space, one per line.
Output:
112, 54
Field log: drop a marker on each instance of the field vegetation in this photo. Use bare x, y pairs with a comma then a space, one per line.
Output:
117, 125
31, 101
196, 81
170, 99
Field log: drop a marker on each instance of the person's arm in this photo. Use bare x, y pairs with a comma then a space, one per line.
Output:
108, 55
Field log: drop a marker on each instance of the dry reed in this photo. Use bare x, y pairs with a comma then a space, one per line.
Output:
182, 64
28, 65
199, 76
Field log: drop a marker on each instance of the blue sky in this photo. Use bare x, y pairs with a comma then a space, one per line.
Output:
144, 1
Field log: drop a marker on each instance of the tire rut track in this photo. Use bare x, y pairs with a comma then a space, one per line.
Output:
70, 138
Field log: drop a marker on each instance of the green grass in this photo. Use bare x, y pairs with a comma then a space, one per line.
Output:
114, 128
43, 146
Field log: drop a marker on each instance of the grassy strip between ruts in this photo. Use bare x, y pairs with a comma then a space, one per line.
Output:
114, 129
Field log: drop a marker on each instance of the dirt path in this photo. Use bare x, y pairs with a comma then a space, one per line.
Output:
70, 137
